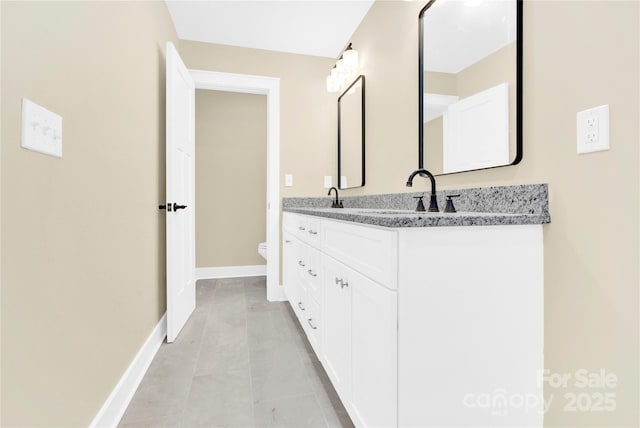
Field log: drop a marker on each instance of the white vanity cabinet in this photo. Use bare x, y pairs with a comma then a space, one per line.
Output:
301, 273
471, 326
336, 331
354, 296
423, 326
374, 351
359, 343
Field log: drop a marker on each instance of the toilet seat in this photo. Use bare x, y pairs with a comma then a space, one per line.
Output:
262, 249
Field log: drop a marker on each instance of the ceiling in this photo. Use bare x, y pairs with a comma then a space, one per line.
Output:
459, 33
309, 27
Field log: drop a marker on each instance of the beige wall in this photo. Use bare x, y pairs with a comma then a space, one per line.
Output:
499, 67
83, 255
591, 246
496, 68
308, 113
231, 172
440, 83
308, 141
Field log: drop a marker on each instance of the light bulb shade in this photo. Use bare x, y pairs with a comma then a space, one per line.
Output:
332, 84
334, 72
343, 72
350, 59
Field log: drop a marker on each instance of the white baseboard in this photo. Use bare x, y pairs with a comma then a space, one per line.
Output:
117, 402
230, 271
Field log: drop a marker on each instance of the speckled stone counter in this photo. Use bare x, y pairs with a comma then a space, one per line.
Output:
501, 205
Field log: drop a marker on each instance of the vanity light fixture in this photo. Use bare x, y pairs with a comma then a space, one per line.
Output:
344, 71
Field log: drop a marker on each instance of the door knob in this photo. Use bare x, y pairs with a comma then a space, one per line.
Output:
169, 207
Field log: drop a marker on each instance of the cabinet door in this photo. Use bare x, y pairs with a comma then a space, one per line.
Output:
336, 316
374, 353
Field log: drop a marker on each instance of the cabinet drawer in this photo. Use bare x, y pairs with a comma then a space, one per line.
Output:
312, 324
305, 228
312, 237
309, 270
368, 250
300, 304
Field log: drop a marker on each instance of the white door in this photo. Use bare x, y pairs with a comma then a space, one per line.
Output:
336, 325
374, 353
476, 131
181, 267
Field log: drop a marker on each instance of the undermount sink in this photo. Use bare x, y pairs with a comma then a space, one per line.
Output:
385, 211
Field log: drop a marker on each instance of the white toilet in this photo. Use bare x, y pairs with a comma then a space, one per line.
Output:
262, 249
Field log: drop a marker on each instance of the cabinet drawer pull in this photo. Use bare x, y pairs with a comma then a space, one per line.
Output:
300, 306
286, 241
344, 284
301, 228
301, 263
312, 326
311, 273
338, 281
313, 232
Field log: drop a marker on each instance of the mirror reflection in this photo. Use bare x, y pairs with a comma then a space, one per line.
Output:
351, 136
470, 83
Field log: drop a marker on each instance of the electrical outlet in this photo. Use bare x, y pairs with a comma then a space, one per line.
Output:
327, 181
593, 129
288, 180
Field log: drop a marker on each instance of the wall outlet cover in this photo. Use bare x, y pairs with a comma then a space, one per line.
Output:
288, 180
41, 129
327, 182
592, 129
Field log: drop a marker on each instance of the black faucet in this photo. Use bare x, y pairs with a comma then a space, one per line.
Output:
433, 202
337, 203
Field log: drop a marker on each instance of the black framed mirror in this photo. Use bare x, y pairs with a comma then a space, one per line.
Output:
470, 85
351, 139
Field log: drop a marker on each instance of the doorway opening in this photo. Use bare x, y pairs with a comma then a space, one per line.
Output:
269, 86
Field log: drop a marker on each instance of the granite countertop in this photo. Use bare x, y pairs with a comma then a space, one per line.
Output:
503, 205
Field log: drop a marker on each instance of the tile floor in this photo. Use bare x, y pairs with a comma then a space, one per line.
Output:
239, 362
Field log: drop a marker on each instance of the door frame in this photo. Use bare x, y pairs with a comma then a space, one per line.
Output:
269, 86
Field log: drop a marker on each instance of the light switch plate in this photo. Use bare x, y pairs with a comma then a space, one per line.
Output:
288, 180
593, 129
41, 129
327, 182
